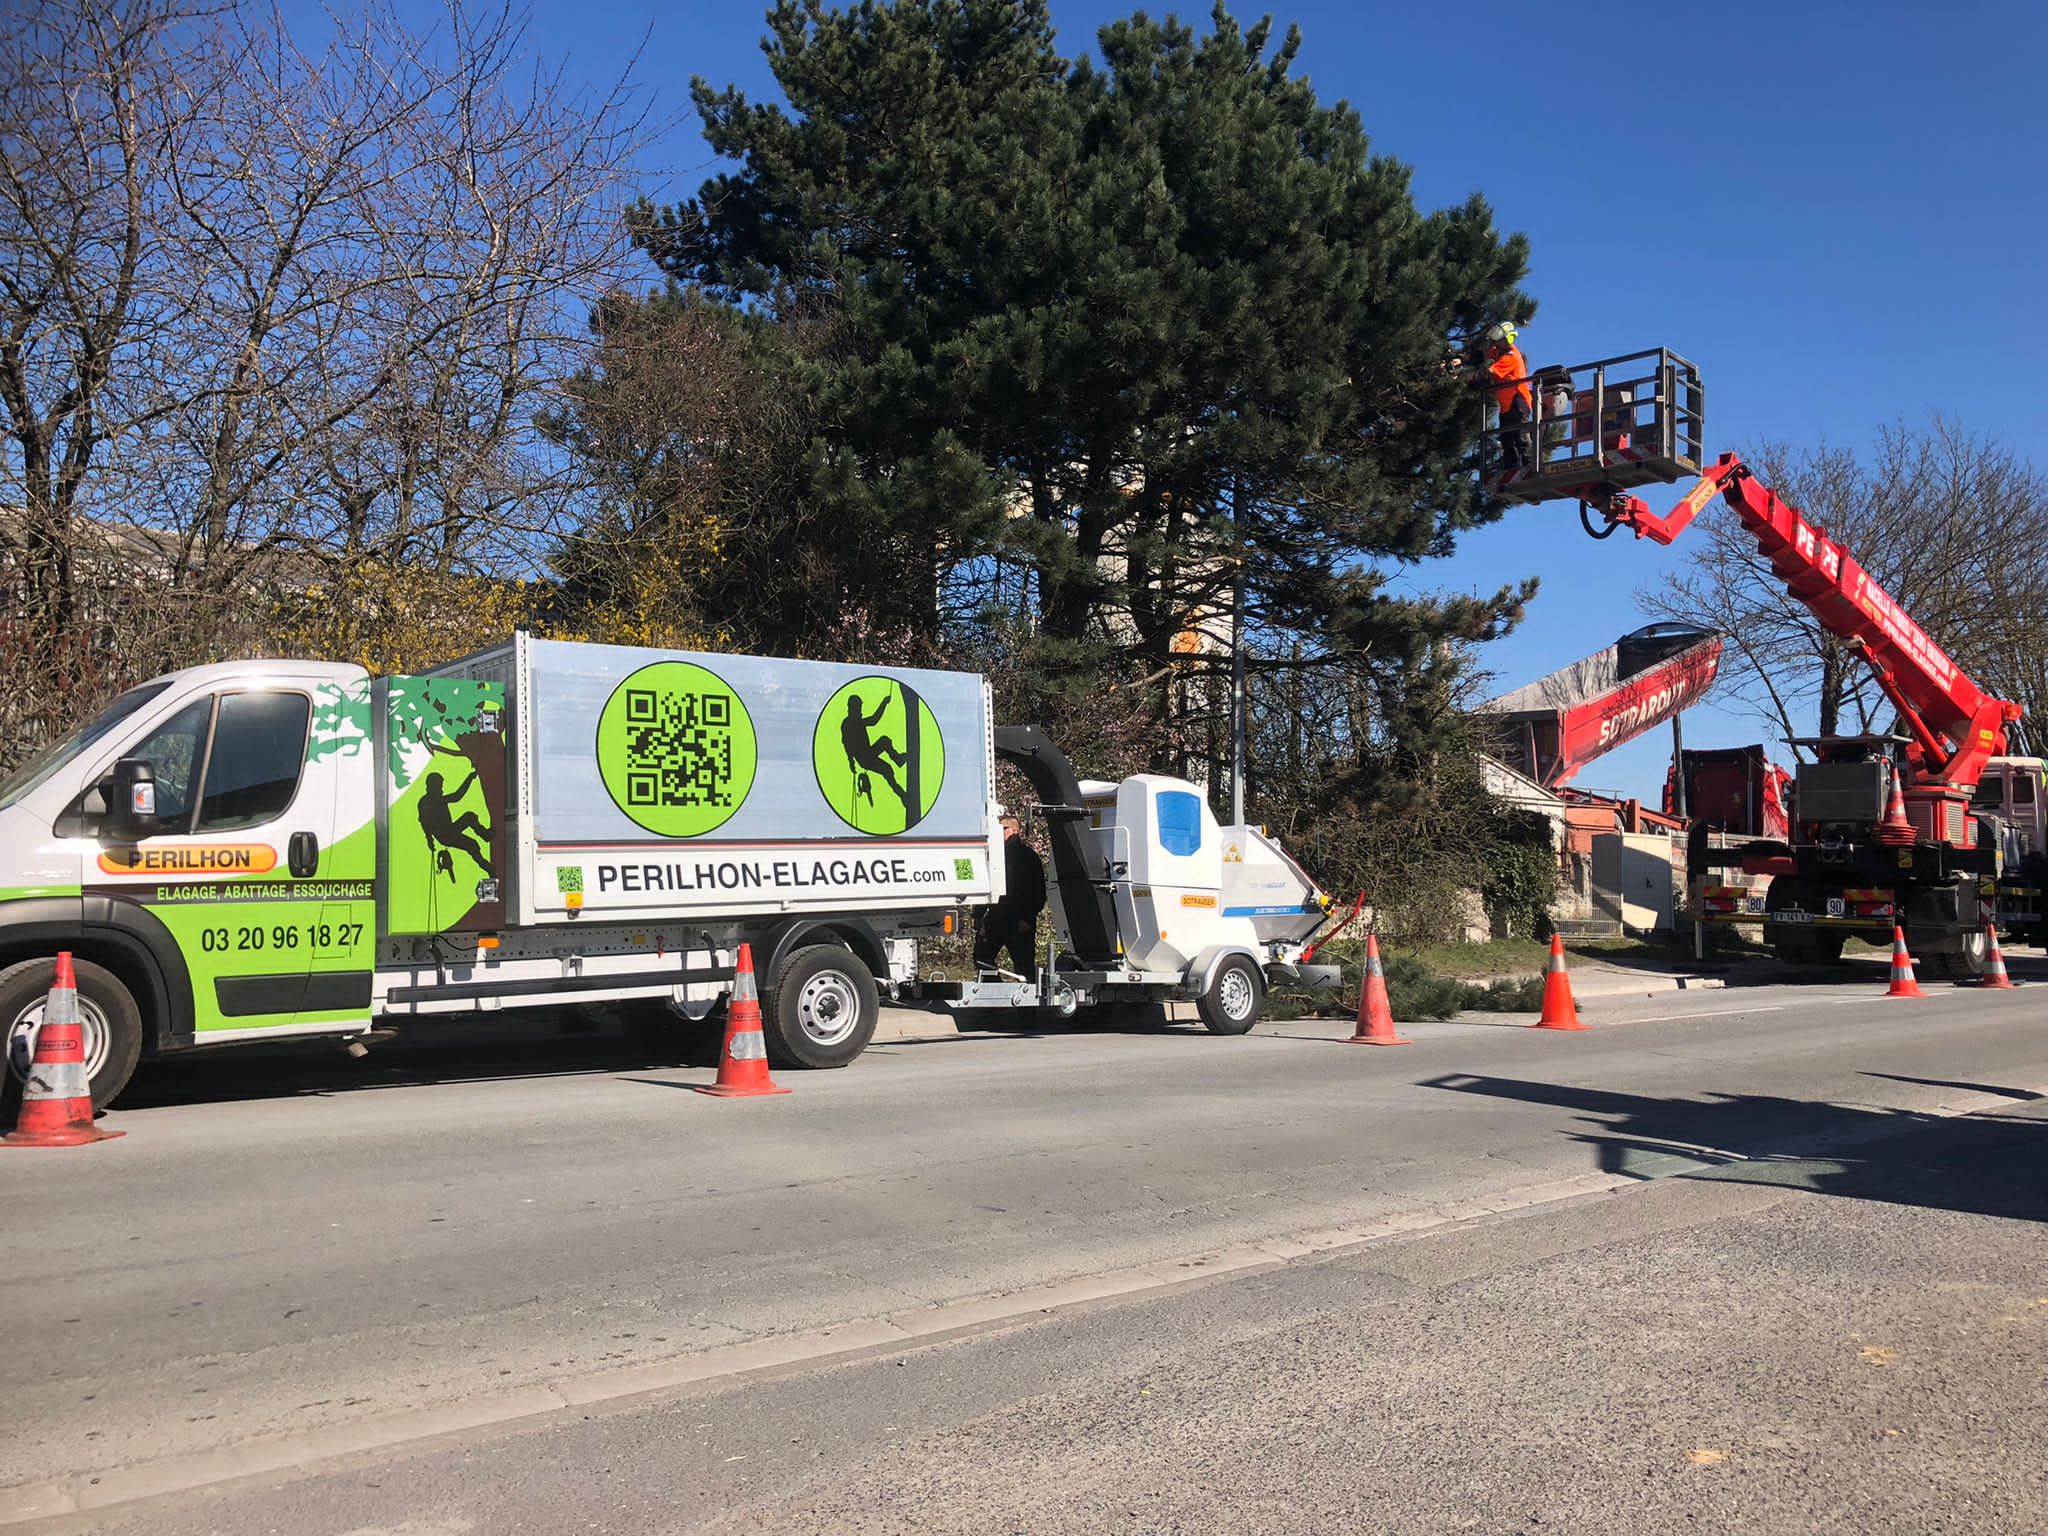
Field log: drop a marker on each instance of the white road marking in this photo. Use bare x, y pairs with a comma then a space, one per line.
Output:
1705, 1013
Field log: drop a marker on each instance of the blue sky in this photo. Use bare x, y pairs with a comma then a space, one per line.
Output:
1835, 209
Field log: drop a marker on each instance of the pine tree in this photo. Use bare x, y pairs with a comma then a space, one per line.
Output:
1118, 325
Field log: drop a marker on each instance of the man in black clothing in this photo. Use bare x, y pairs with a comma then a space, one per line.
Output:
1012, 923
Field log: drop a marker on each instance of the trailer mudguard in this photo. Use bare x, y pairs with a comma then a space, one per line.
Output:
1201, 972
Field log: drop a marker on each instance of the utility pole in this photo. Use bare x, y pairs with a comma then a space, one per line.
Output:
1238, 717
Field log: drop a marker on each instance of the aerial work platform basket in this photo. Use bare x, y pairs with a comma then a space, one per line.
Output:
1598, 429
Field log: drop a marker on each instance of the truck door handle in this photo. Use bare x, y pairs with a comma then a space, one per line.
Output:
304, 855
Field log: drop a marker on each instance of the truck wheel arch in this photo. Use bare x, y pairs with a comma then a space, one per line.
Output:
854, 933
120, 936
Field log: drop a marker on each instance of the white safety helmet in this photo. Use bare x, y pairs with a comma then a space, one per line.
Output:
1500, 334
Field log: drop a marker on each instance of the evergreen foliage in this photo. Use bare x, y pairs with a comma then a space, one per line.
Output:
1103, 333
1120, 300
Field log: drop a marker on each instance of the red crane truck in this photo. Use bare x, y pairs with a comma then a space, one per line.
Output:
1885, 830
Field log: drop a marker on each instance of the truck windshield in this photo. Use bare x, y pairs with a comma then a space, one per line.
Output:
54, 755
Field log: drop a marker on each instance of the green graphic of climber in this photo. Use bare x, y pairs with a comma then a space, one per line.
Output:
447, 833
878, 756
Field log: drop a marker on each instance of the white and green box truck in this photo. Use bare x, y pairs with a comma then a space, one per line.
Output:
263, 849
270, 848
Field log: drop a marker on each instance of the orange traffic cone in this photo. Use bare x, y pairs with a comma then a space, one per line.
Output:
1903, 984
743, 1064
1559, 1010
1995, 978
56, 1100
1375, 1013
1895, 831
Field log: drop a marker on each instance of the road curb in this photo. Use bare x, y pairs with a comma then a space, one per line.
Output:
1643, 986
898, 1025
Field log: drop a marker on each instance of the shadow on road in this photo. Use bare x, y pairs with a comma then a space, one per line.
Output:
504, 1050
2019, 1095
1988, 1164
1751, 968
465, 1053
1861, 968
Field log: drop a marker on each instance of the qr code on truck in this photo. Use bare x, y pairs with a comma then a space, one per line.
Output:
678, 748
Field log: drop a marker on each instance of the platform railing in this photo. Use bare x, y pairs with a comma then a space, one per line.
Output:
1608, 425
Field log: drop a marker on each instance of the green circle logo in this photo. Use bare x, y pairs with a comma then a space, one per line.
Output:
878, 755
676, 748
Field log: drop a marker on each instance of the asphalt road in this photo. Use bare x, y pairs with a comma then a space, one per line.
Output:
297, 1246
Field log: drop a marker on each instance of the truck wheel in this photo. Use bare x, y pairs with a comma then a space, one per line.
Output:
113, 1024
1958, 964
1236, 993
820, 1008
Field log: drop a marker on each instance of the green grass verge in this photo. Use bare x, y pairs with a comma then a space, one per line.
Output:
1522, 957
1414, 991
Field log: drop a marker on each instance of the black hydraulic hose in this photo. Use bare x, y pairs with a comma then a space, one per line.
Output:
1586, 523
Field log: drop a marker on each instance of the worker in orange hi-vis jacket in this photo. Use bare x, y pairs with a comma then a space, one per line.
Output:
1510, 373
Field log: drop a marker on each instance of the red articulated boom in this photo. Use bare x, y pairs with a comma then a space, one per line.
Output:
1955, 725
1933, 830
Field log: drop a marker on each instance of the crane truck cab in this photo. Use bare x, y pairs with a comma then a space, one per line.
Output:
2012, 806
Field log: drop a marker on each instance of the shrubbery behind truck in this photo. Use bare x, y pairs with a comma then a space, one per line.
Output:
263, 849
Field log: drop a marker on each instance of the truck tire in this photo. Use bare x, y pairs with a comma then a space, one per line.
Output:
1236, 994
1957, 964
113, 1024
820, 1008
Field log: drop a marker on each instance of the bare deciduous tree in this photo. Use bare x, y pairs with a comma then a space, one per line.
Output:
1953, 524
280, 305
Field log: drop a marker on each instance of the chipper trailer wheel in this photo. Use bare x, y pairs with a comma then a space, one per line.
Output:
1236, 994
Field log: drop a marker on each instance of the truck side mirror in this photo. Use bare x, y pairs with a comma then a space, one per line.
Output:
131, 800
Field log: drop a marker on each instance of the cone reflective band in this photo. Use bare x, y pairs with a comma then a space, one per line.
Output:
56, 1097
1902, 981
743, 1064
1560, 1010
1375, 1013
1995, 977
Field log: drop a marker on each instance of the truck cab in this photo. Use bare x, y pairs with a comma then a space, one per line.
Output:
2011, 789
204, 846
2012, 804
